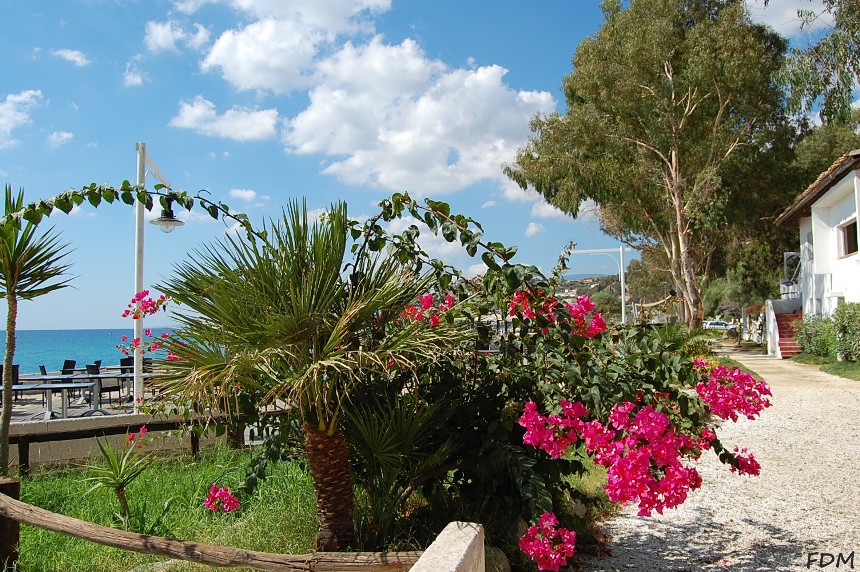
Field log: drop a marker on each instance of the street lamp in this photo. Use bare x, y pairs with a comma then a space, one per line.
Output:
620, 262
167, 222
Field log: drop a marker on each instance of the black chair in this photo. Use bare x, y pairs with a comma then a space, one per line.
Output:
15, 368
68, 367
107, 385
126, 364
42, 370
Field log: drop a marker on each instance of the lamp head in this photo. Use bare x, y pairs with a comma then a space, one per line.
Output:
167, 222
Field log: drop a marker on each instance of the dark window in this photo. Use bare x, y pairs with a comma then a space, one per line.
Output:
849, 238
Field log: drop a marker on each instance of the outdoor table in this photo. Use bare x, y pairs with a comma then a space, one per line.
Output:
48, 388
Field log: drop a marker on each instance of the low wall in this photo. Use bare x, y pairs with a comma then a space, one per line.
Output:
458, 548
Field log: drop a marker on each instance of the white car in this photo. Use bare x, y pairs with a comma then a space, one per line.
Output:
719, 325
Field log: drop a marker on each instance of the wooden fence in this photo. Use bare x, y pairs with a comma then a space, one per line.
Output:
13, 512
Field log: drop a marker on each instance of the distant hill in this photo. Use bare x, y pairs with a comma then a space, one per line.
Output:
574, 277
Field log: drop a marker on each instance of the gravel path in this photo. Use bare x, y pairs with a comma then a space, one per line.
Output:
806, 500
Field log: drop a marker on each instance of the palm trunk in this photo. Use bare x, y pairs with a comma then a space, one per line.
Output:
328, 460
8, 377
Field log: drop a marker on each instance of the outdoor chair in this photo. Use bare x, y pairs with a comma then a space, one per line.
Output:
68, 369
107, 385
15, 368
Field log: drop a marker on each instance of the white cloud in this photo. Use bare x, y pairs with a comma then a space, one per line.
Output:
513, 193
76, 57
782, 16
59, 138
476, 270
543, 209
133, 77
273, 55
165, 36
488, 204
434, 245
246, 195
405, 122
237, 123
14, 112
534, 228
333, 16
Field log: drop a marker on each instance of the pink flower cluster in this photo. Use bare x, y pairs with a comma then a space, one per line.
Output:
548, 546
641, 450
729, 392
220, 498
143, 345
142, 305
138, 437
428, 310
531, 304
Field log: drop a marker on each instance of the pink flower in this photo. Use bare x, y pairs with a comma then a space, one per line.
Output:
548, 546
147, 332
434, 320
220, 498
426, 301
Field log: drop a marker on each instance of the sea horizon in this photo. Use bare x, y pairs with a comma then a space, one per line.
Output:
84, 345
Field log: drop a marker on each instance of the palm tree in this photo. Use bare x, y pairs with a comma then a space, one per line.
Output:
284, 319
30, 266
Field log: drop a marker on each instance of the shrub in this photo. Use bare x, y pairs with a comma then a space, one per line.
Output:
816, 335
846, 326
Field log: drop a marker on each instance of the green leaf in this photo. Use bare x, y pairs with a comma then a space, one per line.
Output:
490, 260
449, 231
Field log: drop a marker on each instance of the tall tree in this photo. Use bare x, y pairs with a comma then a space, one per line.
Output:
659, 101
31, 265
827, 71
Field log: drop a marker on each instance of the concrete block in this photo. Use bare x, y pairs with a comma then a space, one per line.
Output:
458, 548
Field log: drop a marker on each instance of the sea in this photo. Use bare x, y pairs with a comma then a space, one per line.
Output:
51, 347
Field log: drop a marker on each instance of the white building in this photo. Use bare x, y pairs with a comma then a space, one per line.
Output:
826, 216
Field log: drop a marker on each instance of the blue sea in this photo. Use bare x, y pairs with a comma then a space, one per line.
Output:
51, 347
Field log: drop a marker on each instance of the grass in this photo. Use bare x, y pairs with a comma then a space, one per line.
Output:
846, 369
285, 498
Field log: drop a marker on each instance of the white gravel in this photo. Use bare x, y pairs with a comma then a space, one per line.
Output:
806, 500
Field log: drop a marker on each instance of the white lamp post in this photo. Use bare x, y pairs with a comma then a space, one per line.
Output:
167, 223
620, 262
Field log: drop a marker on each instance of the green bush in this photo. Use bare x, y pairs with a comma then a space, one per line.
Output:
846, 325
816, 335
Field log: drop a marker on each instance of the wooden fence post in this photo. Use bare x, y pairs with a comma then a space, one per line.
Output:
23, 457
10, 528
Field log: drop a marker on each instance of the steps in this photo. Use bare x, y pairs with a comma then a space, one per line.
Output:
788, 346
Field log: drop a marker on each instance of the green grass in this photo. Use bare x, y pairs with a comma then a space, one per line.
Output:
846, 369
279, 517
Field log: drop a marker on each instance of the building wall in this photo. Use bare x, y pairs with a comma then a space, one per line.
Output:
828, 276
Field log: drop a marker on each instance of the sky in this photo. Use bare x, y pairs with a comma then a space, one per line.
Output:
262, 101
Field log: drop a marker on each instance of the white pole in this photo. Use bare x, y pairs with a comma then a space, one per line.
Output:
138, 275
623, 291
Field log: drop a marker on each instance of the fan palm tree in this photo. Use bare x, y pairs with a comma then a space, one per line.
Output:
31, 265
284, 319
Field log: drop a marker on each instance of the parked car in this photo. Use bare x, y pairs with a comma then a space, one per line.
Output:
719, 325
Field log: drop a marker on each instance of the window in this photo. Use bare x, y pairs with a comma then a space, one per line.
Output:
848, 238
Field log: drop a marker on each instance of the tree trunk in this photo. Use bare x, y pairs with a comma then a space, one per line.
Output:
8, 377
328, 460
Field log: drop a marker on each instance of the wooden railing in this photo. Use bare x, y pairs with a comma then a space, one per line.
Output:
13, 512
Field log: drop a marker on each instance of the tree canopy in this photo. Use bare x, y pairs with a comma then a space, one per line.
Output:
826, 71
669, 106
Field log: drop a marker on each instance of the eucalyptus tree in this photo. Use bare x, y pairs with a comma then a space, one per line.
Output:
31, 265
667, 105
826, 72
295, 322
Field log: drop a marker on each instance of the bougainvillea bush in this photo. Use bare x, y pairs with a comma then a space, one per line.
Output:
546, 390
523, 389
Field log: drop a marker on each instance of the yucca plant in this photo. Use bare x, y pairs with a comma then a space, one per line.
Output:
291, 323
121, 467
31, 265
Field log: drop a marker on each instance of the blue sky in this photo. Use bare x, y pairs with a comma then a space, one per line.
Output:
260, 101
